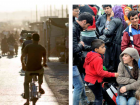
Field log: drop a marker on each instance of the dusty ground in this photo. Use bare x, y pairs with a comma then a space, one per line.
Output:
56, 76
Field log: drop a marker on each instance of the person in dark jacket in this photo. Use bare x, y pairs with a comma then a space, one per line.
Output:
103, 21
115, 31
28, 41
83, 22
135, 30
4, 45
75, 12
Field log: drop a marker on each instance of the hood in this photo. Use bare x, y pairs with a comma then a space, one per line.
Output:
133, 53
91, 56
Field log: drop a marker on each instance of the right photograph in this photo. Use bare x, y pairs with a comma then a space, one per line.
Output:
106, 50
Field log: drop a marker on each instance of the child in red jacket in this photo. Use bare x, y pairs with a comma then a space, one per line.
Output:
94, 69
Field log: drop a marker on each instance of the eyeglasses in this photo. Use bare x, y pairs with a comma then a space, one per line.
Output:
77, 11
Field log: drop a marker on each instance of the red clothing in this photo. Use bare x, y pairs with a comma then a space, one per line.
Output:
94, 22
93, 9
126, 39
94, 68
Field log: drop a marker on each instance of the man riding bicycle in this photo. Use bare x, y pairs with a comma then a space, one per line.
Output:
35, 53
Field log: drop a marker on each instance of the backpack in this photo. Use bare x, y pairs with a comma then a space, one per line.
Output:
109, 93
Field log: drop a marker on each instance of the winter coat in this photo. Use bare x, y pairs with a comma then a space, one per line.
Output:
94, 68
115, 28
113, 50
77, 47
124, 77
100, 23
126, 39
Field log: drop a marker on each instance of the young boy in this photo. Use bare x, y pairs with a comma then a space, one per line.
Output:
94, 69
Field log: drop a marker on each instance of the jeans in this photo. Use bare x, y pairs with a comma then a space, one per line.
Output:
97, 91
121, 100
79, 88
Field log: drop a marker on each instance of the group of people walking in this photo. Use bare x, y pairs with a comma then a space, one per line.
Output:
9, 45
111, 40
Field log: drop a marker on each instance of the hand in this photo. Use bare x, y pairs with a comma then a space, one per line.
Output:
112, 14
116, 75
45, 65
123, 89
82, 43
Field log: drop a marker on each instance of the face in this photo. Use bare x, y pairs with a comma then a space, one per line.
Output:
75, 12
85, 25
134, 20
101, 49
126, 11
127, 59
108, 10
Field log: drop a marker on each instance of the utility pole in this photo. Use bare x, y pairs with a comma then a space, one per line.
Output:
54, 11
44, 10
67, 11
36, 13
50, 10
62, 11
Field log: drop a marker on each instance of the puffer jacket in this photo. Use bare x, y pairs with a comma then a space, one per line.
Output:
115, 30
124, 77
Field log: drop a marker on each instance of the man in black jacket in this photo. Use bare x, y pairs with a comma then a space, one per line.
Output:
84, 21
103, 21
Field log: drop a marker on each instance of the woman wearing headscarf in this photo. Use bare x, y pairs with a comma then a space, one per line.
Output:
114, 32
126, 11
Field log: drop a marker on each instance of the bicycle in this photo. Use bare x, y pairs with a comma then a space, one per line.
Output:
34, 93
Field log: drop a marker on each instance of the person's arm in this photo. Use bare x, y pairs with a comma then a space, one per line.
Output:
111, 29
98, 66
25, 51
98, 25
121, 78
77, 47
125, 41
135, 85
44, 58
23, 45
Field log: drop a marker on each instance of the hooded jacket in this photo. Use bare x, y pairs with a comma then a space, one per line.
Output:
94, 68
124, 77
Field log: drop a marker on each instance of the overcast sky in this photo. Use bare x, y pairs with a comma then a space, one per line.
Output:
26, 5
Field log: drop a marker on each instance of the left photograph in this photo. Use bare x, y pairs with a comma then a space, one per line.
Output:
34, 53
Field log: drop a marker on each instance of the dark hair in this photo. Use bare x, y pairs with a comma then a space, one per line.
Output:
96, 43
35, 37
135, 71
86, 16
75, 7
132, 13
107, 6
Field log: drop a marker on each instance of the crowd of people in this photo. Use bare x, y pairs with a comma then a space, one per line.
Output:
106, 48
9, 45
